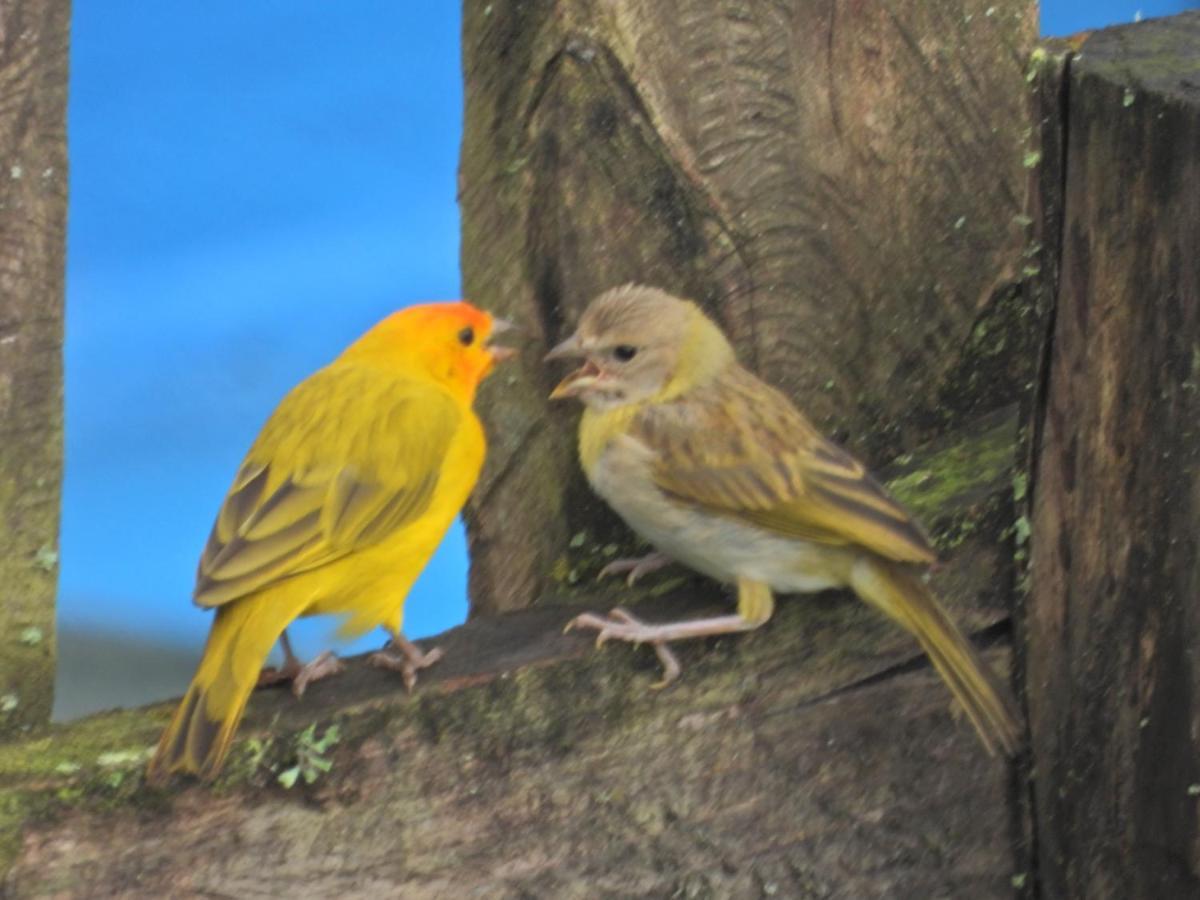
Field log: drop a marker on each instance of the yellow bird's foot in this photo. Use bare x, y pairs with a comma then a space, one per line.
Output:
635, 566
301, 675
622, 625
410, 660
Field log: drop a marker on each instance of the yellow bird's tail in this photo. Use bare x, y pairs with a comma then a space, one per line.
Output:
199, 735
903, 597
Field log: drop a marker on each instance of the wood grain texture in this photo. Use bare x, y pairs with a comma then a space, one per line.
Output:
839, 184
33, 209
1111, 675
731, 788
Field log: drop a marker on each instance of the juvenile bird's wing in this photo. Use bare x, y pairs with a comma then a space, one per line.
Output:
323, 479
744, 451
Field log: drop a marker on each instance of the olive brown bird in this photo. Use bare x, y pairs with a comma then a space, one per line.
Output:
719, 471
337, 507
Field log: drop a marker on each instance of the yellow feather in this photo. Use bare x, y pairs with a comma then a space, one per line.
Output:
341, 501
597, 428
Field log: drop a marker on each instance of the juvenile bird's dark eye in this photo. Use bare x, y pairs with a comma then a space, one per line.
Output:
624, 352
467, 336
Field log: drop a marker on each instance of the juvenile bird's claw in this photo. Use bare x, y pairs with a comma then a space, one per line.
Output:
635, 566
622, 625
410, 660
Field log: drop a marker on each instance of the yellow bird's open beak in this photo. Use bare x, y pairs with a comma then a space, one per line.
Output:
500, 353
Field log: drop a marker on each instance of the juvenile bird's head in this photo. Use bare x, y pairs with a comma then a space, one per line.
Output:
640, 344
447, 342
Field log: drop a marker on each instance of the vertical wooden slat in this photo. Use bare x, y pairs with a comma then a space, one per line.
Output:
1113, 622
33, 208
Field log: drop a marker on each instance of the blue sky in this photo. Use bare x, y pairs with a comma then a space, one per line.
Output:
252, 185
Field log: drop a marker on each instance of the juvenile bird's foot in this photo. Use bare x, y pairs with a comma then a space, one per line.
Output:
635, 566
622, 625
410, 660
301, 675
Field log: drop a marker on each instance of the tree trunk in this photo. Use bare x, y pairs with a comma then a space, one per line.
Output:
1112, 680
839, 184
33, 210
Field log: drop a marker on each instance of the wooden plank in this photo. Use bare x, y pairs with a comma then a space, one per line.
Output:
1113, 625
819, 756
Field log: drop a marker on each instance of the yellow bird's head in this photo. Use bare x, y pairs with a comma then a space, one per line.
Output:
640, 344
447, 342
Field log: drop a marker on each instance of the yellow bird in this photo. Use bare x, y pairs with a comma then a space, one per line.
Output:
719, 471
336, 509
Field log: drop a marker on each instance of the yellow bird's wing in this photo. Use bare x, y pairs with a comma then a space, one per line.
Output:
744, 451
342, 463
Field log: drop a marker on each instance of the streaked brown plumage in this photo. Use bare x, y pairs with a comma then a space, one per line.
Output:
721, 472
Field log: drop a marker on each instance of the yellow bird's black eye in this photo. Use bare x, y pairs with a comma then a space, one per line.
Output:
466, 337
624, 352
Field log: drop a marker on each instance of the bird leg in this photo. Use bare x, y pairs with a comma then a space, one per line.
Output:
635, 566
410, 660
755, 605
301, 675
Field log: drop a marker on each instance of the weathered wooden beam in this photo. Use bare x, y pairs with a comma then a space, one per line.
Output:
1112, 628
818, 756
839, 184
33, 212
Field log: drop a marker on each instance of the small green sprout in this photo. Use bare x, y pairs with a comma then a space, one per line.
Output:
310, 755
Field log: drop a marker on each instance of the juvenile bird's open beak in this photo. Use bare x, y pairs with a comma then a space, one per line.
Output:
499, 326
581, 378
568, 349
577, 382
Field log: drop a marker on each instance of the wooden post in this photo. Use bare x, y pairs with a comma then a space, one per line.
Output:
840, 184
33, 210
1112, 670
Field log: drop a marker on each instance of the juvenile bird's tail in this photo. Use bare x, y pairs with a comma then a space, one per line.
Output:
903, 597
199, 735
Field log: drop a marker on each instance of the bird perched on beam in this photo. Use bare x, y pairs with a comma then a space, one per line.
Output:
337, 507
719, 471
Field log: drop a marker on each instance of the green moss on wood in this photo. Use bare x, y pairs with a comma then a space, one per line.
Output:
954, 488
